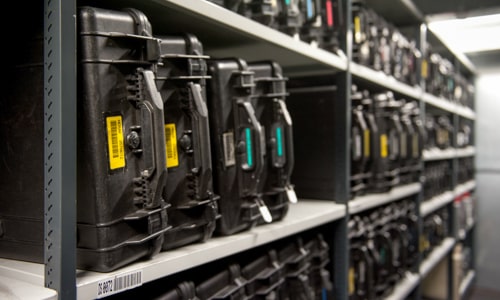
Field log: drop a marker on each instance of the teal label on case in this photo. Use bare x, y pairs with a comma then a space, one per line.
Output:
248, 135
279, 141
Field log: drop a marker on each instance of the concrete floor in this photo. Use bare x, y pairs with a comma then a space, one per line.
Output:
480, 293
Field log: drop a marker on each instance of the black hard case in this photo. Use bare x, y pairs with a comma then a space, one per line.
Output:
228, 284
296, 269
320, 278
264, 276
121, 213
238, 145
181, 80
271, 111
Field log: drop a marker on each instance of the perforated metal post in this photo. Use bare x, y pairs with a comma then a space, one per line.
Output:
60, 146
342, 158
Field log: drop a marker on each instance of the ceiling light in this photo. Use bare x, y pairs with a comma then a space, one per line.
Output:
473, 34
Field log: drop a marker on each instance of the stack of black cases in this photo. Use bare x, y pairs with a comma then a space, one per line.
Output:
251, 133
121, 151
121, 215
181, 79
155, 148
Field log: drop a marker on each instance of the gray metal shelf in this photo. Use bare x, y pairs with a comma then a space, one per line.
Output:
379, 78
436, 256
466, 152
466, 283
448, 106
303, 215
226, 33
362, 203
438, 154
465, 187
433, 204
404, 287
20, 289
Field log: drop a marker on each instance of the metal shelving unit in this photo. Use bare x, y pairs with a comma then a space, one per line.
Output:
362, 203
448, 106
224, 33
379, 78
436, 256
303, 215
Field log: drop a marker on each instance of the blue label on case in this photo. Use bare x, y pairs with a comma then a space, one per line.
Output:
309, 9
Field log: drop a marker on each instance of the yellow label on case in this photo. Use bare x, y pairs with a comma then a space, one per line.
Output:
171, 146
352, 277
425, 69
357, 29
383, 146
424, 243
366, 145
116, 149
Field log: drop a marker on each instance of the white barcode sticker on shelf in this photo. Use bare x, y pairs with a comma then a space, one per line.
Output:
119, 283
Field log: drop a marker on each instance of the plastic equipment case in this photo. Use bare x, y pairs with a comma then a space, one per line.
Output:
121, 143
360, 144
268, 101
289, 18
228, 284
121, 215
181, 80
361, 265
264, 276
238, 146
296, 269
262, 11
319, 259
379, 248
411, 142
332, 20
312, 26
388, 143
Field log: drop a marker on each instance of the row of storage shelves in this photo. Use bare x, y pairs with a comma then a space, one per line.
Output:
226, 33
304, 215
438, 154
254, 41
411, 280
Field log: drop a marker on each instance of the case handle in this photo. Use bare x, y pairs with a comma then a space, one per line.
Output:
152, 139
202, 157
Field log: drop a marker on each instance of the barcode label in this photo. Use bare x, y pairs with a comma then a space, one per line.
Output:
228, 143
171, 146
119, 283
116, 148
